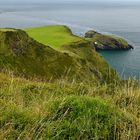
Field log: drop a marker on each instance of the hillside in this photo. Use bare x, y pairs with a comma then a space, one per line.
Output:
24, 56
61, 39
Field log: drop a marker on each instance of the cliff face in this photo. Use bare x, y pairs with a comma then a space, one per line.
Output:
23, 55
107, 42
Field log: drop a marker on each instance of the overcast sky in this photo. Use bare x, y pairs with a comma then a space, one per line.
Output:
71, 1
4, 1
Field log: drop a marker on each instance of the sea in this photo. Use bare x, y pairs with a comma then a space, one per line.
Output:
118, 19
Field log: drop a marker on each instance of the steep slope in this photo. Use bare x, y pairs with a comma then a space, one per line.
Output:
25, 56
107, 42
96, 63
22, 54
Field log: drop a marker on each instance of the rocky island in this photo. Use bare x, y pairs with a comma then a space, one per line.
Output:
107, 42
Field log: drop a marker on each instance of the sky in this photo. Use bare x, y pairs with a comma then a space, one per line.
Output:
40, 1
124, 2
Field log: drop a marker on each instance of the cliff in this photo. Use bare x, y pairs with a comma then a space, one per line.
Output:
25, 56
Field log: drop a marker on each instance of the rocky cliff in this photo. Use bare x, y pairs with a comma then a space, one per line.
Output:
107, 42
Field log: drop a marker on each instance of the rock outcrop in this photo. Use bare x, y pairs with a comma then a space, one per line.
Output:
107, 42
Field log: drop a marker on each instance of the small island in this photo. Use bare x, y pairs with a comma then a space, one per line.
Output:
107, 42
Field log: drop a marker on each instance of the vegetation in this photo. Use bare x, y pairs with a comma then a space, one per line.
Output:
63, 110
69, 92
54, 36
25, 56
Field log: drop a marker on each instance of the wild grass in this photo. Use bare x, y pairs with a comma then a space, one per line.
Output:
68, 110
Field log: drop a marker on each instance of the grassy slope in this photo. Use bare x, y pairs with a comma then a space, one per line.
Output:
62, 39
54, 36
25, 56
63, 110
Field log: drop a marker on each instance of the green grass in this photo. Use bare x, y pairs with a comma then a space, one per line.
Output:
63, 110
54, 36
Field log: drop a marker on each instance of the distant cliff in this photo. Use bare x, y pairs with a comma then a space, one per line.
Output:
107, 42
